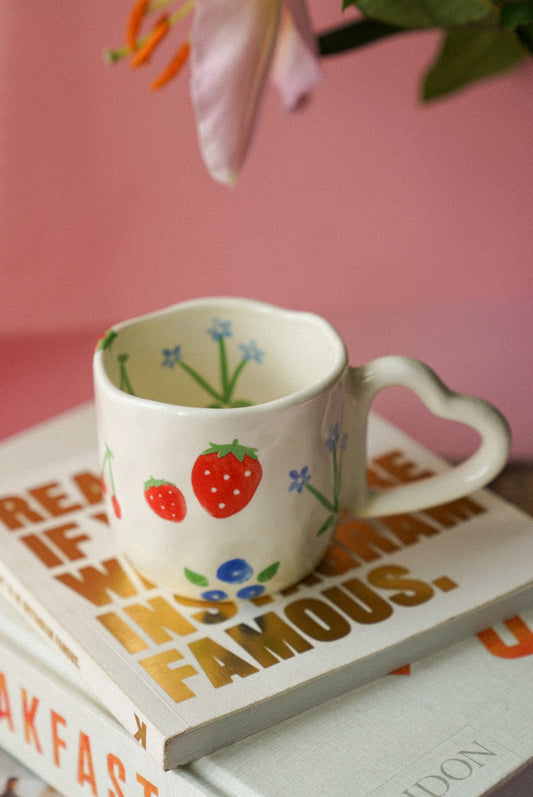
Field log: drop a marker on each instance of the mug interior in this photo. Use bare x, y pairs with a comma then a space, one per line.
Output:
222, 353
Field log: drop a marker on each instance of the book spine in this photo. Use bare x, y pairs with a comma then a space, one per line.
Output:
109, 691
72, 744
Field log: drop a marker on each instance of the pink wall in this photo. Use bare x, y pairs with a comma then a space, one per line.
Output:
365, 204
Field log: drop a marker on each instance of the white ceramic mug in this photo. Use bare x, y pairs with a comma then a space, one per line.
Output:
232, 434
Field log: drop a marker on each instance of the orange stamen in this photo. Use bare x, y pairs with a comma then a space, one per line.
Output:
134, 23
173, 67
160, 30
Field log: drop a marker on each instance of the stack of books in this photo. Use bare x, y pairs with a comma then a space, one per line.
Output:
402, 667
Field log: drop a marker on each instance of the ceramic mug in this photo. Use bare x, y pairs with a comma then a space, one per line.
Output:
232, 434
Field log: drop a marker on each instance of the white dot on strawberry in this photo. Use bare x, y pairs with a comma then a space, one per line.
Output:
213, 489
247, 473
236, 492
226, 477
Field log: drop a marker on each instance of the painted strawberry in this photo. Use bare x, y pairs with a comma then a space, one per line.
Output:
225, 478
116, 506
165, 499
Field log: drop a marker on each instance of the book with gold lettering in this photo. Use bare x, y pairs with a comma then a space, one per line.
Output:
457, 722
185, 678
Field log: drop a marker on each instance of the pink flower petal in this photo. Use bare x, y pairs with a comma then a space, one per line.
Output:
232, 49
296, 69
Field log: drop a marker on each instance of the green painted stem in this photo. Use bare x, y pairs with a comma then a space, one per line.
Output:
322, 498
336, 479
125, 383
201, 381
224, 370
234, 378
107, 460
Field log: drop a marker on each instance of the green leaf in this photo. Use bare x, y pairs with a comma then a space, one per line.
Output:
354, 35
268, 573
468, 55
518, 16
196, 578
423, 13
106, 340
517, 13
235, 448
525, 34
151, 482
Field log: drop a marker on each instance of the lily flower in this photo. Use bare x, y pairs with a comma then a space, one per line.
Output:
235, 48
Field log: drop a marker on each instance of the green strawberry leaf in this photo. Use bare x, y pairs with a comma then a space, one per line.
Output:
238, 451
468, 55
196, 578
151, 482
426, 14
268, 573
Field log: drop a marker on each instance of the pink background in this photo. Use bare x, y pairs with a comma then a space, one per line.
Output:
409, 227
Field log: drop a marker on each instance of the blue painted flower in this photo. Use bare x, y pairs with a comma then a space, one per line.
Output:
171, 356
333, 437
253, 591
235, 571
214, 595
299, 479
220, 329
251, 351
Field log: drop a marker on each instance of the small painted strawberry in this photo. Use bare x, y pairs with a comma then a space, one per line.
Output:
225, 478
116, 506
165, 499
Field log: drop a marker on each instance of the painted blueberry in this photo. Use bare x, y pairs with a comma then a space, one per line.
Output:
235, 571
253, 591
214, 595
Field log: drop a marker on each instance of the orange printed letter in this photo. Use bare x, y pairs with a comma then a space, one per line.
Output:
114, 764
28, 717
5, 708
148, 787
495, 644
85, 763
57, 741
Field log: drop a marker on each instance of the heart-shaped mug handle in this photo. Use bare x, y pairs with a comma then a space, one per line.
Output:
470, 475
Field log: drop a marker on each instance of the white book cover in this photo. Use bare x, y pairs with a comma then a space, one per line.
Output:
21, 781
459, 723
184, 678
51, 723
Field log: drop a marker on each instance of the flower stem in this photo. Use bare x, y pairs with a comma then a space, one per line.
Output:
353, 36
326, 525
201, 381
336, 480
322, 498
125, 383
223, 368
234, 378
107, 461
